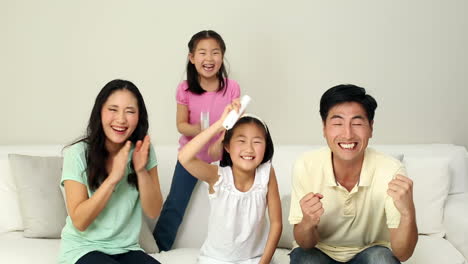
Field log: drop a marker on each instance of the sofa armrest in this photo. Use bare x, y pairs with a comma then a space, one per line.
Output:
455, 215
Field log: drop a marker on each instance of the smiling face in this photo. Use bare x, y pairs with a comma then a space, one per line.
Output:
119, 117
347, 131
247, 147
207, 58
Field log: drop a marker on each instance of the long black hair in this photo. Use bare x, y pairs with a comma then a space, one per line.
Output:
269, 148
96, 153
192, 74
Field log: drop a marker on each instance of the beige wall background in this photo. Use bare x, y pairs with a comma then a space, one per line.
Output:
412, 56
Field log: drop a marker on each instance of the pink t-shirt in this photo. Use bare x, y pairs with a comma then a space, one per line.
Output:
212, 102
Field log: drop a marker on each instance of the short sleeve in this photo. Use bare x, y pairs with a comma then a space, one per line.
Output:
152, 161
295, 212
222, 173
392, 213
401, 171
74, 164
182, 93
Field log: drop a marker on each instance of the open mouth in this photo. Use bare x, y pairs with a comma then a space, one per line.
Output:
119, 130
208, 67
247, 157
348, 146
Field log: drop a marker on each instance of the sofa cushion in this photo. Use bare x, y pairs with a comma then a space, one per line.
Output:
458, 164
146, 239
455, 222
435, 250
287, 236
15, 248
179, 255
431, 183
458, 170
194, 228
8, 199
42, 207
8, 193
190, 255
281, 256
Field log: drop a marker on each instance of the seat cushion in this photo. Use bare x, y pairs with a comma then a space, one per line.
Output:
281, 256
431, 180
435, 250
189, 256
179, 255
20, 250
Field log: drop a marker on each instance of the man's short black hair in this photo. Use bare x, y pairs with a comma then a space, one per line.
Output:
344, 93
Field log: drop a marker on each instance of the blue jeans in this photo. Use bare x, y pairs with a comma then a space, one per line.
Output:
174, 207
131, 257
372, 255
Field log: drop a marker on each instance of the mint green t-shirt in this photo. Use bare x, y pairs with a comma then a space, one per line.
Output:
116, 229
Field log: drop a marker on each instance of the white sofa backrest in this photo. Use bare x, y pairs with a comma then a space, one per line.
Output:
39, 150
193, 229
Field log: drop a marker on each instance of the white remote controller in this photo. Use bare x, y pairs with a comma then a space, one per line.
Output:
232, 117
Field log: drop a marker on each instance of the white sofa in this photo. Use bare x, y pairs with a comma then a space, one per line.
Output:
440, 173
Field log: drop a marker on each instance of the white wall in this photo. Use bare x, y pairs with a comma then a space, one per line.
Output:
412, 56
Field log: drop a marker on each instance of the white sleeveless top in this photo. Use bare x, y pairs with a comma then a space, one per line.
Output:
237, 228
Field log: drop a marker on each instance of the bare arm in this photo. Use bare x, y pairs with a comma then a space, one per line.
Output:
276, 223
187, 155
306, 237
404, 238
148, 180
150, 192
198, 168
183, 125
216, 149
82, 209
305, 233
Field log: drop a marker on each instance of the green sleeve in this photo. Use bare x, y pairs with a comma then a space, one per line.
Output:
152, 161
74, 164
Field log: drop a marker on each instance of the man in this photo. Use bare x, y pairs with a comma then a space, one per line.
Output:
351, 204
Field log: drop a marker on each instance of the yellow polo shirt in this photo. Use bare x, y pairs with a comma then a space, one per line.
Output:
352, 221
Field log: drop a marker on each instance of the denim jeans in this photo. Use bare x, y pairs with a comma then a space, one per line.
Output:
174, 207
372, 255
131, 257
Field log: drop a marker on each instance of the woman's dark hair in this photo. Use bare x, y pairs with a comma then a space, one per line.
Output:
192, 74
269, 148
96, 153
347, 93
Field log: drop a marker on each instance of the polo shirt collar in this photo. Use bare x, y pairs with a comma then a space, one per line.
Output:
328, 169
367, 171
368, 168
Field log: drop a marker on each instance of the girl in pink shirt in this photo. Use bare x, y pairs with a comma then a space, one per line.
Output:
201, 100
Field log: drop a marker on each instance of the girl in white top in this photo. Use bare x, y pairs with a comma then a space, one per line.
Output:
240, 190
